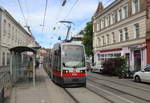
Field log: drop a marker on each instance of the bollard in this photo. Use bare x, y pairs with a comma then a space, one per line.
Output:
1, 94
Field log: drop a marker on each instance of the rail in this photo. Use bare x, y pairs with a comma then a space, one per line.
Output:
5, 81
5, 78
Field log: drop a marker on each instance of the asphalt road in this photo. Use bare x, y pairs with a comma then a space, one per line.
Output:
118, 90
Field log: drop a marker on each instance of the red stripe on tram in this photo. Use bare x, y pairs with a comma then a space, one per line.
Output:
74, 74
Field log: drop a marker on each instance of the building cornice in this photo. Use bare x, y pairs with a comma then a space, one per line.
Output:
12, 18
123, 44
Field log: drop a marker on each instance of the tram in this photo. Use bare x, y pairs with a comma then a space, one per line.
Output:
68, 64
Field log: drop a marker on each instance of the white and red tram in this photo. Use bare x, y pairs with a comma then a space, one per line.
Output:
68, 64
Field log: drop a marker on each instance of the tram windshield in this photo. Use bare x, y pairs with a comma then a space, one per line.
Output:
73, 56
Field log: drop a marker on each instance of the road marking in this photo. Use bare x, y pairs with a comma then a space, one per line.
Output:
112, 94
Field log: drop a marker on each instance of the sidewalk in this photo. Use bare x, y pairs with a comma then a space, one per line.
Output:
45, 91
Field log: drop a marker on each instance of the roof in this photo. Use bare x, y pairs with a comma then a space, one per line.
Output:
99, 13
17, 23
20, 49
99, 8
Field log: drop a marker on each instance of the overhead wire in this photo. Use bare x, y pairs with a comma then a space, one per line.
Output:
45, 10
71, 9
106, 3
27, 10
22, 11
57, 16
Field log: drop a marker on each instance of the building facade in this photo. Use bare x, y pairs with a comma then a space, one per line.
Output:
11, 34
78, 37
121, 29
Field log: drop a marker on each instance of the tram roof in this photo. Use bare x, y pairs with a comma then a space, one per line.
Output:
20, 49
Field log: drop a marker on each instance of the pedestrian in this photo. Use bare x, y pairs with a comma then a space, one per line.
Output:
36, 64
30, 69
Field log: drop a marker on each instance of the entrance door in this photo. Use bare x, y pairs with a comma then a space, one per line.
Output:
127, 55
137, 60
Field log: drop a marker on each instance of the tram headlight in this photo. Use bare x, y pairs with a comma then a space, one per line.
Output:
65, 71
82, 71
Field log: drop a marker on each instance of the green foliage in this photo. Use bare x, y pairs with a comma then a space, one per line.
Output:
87, 39
114, 66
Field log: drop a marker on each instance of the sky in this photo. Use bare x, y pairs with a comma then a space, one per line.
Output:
77, 11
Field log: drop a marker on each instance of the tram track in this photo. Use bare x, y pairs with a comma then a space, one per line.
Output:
102, 96
85, 95
74, 99
110, 88
122, 84
112, 98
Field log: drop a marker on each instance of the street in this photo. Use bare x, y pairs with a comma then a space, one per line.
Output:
100, 89
105, 89
118, 90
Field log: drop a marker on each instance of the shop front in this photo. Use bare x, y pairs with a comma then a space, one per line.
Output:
136, 56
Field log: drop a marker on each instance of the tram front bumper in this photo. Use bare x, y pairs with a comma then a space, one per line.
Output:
74, 80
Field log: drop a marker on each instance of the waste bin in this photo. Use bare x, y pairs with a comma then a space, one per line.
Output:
1, 94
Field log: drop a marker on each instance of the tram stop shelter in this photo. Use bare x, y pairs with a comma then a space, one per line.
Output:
19, 60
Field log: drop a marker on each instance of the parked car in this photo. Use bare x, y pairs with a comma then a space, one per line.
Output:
97, 68
143, 75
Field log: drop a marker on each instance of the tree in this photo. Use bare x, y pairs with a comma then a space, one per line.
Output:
88, 38
114, 66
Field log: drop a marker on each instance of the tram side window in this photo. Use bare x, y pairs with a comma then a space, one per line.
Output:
59, 60
55, 60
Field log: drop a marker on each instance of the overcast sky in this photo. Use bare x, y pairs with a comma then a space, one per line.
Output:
80, 14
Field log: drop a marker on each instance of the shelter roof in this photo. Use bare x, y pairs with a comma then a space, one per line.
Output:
20, 49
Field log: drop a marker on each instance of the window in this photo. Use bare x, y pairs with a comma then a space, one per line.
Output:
121, 35
16, 35
103, 40
3, 61
98, 26
147, 69
102, 23
113, 37
4, 30
137, 32
107, 38
13, 33
126, 34
8, 58
107, 21
112, 18
125, 12
98, 41
9, 29
135, 6
119, 14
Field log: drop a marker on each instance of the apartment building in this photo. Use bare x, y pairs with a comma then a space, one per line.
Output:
78, 37
122, 29
11, 34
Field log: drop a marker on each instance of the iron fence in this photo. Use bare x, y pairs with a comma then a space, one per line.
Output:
5, 78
